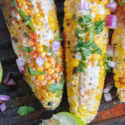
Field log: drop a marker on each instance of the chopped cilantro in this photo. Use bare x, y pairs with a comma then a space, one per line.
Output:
32, 72
81, 67
99, 26
96, 49
25, 110
73, 17
84, 19
92, 33
52, 53
89, 47
58, 37
24, 16
121, 2
28, 21
27, 34
27, 49
106, 60
56, 88
78, 30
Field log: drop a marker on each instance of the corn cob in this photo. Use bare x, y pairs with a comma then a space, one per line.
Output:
118, 43
34, 27
86, 40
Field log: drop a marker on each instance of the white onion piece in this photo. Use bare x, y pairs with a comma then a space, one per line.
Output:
84, 5
111, 21
107, 89
111, 64
55, 46
110, 51
20, 64
3, 107
108, 97
112, 5
40, 61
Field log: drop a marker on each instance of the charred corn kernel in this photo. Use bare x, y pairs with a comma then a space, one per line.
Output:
118, 42
32, 25
85, 77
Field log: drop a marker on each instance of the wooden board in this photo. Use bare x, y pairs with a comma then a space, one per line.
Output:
112, 113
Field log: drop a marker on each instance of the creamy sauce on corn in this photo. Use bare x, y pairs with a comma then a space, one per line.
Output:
89, 81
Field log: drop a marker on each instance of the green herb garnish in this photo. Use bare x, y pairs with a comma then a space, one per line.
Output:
106, 60
121, 2
52, 53
58, 37
81, 67
27, 49
84, 19
32, 72
27, 34
92, 33
89, 47
78, 30
99, 26
25, 110
24, 16
57, 88
73, 17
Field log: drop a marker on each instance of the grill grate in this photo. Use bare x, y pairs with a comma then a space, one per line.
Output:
111, 113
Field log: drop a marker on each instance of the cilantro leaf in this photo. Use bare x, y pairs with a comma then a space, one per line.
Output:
23, 15
73, 17
24, 110
81, 67
99, 26
58, 37
81, 45
121, 2
92, 33
85, 51
78, 30
96, 49
14, 3
106, 60
32, 72
84, 19
57, 88
52, 53
59, 93
27, 34
27, 49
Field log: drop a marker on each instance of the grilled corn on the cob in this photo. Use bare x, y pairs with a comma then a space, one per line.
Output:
118, 43
86, 40
34, 28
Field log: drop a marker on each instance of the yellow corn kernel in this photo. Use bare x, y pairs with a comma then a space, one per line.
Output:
40, 77
39, 69
50, 71
46, 65
75, 62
